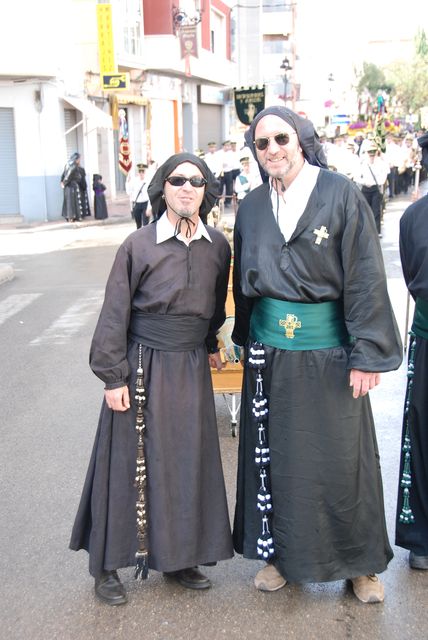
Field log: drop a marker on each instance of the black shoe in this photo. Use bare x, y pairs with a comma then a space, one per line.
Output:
418, 562
109, 588
190, 578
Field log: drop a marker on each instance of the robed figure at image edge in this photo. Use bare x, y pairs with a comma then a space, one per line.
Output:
164, 303
312, 308
412, 506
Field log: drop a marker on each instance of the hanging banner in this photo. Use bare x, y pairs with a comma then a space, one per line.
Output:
248, 103
188, 40
125, 162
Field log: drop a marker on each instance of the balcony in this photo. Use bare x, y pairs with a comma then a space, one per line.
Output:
162, 54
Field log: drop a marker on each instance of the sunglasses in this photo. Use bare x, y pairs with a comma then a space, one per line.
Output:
280, 138
179, 181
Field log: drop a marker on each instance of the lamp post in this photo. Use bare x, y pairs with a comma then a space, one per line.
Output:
330, 81
285, 66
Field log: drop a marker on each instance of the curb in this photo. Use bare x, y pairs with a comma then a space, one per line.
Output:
6, 273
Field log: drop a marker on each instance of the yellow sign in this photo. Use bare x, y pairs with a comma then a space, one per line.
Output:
105, 39
116, 81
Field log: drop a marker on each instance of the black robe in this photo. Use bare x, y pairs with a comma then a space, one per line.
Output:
414, 259
100, 205
188, 522
328, 518
76, 202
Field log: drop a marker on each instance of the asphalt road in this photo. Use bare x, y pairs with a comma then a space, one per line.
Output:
50, 402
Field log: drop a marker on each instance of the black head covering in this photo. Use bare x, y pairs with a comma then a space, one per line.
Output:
423, 143
156, 186
308, 137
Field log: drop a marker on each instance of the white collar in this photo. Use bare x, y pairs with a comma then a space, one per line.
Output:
165, 230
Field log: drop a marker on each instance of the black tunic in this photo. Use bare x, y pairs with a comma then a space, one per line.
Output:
414, 259
100, 205
328, 513
187, 510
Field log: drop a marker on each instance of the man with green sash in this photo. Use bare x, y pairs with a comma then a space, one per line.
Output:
313, 312
412, 508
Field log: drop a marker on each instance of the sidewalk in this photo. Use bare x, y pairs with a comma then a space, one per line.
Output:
119, 213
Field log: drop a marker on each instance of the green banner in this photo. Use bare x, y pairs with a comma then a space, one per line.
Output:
248, 103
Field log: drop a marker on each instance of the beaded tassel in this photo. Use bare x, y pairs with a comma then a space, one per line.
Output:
406, 515
141, 556
260, 411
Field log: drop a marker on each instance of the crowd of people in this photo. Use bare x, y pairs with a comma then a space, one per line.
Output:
233, 167
313, 320
380, 174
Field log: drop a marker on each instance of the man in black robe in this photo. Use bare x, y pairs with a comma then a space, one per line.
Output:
155, 338
312, 308
73, 180
412, 507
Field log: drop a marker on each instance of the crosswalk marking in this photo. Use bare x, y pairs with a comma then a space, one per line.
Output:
72, 320
15, 303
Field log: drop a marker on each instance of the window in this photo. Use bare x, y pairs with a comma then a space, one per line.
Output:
271, 6
130, 13
218, 33
274, 44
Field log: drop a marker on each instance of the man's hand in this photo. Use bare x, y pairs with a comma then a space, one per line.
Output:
215, 361
117, 399
362, 382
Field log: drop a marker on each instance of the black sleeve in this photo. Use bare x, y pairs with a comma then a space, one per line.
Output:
243, 305
108, 353
220, 295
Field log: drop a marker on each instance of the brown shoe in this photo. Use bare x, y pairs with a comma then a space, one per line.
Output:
368, 589
269, 579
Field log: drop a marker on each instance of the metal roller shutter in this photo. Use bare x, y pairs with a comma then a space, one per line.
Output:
9, 198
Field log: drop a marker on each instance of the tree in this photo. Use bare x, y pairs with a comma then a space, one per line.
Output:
373, 80
410, 79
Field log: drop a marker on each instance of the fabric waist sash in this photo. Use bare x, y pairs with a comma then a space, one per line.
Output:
420, 319
168, 332
298, 326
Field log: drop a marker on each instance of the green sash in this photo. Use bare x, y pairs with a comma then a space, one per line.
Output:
298, 326
420, 319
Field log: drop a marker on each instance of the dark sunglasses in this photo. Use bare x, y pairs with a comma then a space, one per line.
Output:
179, 181
281, 139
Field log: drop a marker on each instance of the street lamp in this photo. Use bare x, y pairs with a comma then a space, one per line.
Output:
285, 66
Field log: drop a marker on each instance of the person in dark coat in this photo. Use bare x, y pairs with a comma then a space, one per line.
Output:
100, 205
412, 506
154, 494
312, 309
73, 181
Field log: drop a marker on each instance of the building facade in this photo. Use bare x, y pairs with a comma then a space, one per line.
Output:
177, 70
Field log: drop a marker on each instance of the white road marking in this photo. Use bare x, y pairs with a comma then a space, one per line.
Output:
72, 320
15, 303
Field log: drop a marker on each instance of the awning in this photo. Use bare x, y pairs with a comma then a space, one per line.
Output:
128, 98
98, 117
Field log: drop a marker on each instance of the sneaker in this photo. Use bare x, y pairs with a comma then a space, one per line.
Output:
269, 579
368, 589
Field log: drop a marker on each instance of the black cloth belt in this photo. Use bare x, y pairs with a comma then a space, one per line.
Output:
168, 332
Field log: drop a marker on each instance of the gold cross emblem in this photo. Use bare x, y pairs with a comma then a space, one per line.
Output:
321, 234
290, 324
